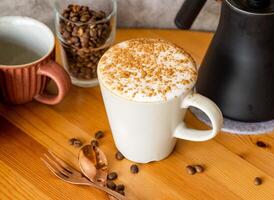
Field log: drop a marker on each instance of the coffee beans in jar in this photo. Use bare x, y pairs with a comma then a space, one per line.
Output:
85, 35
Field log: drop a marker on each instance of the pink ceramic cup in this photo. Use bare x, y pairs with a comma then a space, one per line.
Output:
27, 54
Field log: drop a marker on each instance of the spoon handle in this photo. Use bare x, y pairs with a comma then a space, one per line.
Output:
107, 190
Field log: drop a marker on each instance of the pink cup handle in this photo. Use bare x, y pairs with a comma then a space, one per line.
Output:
60, 77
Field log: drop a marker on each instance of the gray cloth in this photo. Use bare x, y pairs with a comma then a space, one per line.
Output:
131, 13
236, 127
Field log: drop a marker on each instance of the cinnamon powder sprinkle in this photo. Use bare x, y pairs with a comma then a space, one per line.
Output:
147, 70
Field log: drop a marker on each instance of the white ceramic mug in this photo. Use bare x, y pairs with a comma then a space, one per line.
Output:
145, 132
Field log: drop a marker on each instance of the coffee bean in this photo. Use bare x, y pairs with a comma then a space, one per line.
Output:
74, 71
86, 35
75, 29
80, 32
83, 70
100, 26
88, 76
77, 44
77, 143
261, 144
198, 168
94, 143
121, 192
120, 187
105, 26
88, 71
75, 40
257, 181
66, 34
74, 19
72, 14
92, 45
84, 8
74, 32
190, 170
84, 18
93, 33
89, 65
70, 6
84, 41
85, 50
79, 65
112, 176
66, 15
119, 156
81, 75
99, 134
134, 169
99, 32
111, 185
69, 28
100, 15
71, 141
76, 8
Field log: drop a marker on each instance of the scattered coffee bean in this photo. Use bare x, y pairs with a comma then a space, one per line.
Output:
121, 192
199, 168
111, 185
99, 134
257, 181
134, 169
77, 143
112, 176
120, 187
80, 35
190, 170
261, 144
94, 143
119, 156
71, 141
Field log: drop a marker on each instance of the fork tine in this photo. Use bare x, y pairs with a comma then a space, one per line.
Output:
54, 171
64, 165
57, 166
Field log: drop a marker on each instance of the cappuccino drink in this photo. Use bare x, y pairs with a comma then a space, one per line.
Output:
147, 86
147, 70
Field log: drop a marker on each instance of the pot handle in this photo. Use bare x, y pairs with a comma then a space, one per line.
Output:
188, 13
210, 109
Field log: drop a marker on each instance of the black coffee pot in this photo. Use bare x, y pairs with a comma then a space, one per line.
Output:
238, 69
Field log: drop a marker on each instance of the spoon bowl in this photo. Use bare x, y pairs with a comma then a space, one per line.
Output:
93, 163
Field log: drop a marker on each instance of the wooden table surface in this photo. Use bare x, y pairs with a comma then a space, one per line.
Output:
231, 161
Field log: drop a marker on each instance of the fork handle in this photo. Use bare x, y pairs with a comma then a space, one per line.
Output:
107, 190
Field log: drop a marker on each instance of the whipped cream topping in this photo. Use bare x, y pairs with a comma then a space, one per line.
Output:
147, 70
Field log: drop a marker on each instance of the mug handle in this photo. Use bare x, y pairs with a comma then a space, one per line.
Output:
57, 73
210, 109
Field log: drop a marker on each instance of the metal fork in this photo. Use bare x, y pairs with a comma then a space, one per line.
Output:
68, 174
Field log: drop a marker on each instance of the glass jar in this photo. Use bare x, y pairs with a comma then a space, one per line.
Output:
85, 29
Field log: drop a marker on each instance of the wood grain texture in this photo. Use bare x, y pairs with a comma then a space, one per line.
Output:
231, 161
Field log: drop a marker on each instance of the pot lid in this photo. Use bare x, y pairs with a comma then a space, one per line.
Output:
253, 6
